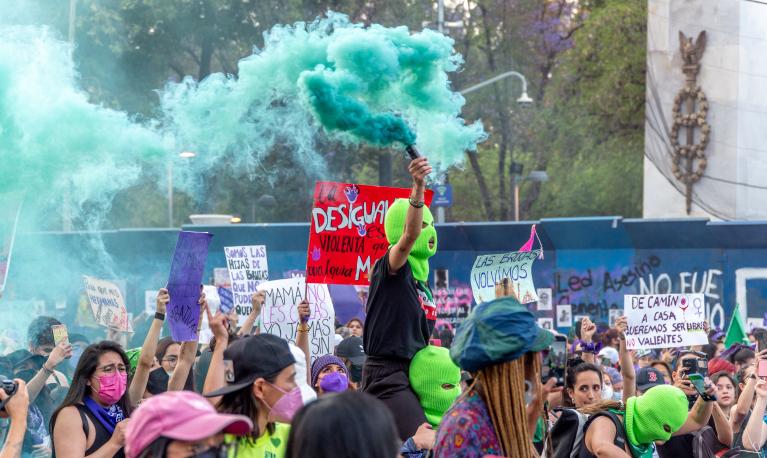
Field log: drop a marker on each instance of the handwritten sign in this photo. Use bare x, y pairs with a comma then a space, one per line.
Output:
665, 320
347, 231
184, 283
107, 304
279, 314
517, 266
247, 269
10, 208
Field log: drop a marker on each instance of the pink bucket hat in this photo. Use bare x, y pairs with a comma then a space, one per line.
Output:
179, 415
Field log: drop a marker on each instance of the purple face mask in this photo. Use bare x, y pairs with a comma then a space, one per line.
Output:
286, 407
334, 382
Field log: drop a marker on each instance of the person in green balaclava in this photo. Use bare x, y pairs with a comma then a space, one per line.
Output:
652, 417
425, 245
436, 380
400, 309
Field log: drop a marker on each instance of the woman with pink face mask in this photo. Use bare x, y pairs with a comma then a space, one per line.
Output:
256, 377
92, 418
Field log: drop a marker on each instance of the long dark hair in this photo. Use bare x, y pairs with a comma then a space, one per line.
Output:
351, 423
572, 377
86, 367
244, 402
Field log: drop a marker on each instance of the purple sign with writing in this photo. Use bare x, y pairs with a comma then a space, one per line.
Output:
184, 284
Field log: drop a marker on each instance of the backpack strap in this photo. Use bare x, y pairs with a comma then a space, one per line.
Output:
620, 431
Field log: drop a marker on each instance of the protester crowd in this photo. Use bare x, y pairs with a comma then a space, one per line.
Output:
498, 386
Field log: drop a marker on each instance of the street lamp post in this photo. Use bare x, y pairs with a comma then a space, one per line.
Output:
534, 176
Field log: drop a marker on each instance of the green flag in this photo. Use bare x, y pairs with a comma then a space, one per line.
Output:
736, 331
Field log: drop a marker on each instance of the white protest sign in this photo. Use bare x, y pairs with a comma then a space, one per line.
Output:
665, 320
492, 268
279, 314
247, 269
107, 304
221, 277
150, 302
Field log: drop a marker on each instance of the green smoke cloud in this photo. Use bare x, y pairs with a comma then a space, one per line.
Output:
372, 84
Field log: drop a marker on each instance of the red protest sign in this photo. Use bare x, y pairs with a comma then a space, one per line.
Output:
347, 231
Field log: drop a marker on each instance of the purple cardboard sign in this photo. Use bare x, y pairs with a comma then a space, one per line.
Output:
184, 284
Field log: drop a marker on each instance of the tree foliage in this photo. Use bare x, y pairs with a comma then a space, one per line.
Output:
584, 62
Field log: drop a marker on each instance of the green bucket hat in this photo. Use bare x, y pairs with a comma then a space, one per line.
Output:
496, 332
431, 373
655, 415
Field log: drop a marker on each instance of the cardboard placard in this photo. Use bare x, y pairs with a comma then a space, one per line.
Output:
517, 266
248, 268
665, 320
185, 284
107, 304
347, 231
279, 314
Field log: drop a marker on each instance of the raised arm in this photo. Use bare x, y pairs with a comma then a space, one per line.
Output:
257, 301
746, 397
16, 409
62, 351
215, 378
624, 358
755, 434
699, 414
148, 350
418, 169
187, 354
723, 428
302, 336
588, 329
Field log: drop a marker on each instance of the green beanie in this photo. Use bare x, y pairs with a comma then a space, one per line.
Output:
655, 415
133, 356
430, 371
394, 224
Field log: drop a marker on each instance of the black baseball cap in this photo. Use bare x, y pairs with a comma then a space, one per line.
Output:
649, 377
351, 348
262, 355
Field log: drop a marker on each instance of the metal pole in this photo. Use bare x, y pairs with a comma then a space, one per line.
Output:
170, 193
72, 17
66, 209
440, 215
440, 16
497, 78
516, 199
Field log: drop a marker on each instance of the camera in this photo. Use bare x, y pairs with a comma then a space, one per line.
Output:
10, 387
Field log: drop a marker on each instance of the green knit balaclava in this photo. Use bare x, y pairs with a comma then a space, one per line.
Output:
655, 415
394, 224
431, 372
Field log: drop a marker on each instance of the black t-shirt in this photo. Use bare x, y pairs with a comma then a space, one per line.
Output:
677, 447
400, 313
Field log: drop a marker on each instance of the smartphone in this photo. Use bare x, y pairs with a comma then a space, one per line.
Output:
555, 361
698, 382
761, 344
692, 366
60, 333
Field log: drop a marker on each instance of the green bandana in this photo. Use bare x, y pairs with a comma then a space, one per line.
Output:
133, 356
655, 415
430, 371
394, 224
